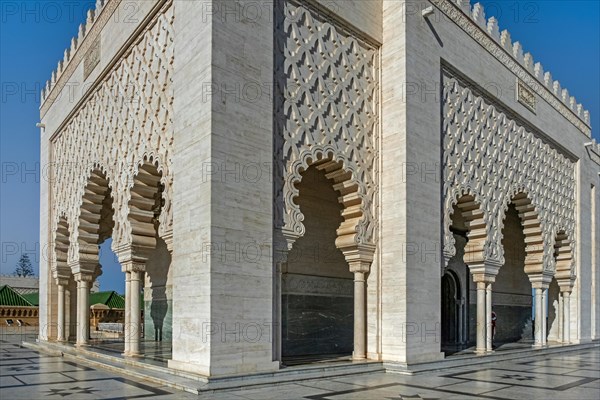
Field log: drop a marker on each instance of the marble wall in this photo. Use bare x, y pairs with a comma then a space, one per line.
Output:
318, 315
158, 320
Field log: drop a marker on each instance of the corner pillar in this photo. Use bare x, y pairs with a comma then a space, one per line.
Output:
488, 317
61, 283
283, 241
566, 339
134, 272
565, 283
84, 282
540, 283
484, 275
360, 257
126, 330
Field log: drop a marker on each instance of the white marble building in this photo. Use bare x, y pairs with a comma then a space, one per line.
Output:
299, 179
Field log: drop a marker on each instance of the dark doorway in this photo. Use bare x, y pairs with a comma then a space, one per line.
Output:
450, 309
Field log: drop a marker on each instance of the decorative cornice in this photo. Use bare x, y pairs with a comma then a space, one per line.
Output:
80, 45
593, 149
511, 56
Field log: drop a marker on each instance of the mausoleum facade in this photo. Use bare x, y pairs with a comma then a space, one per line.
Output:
287, 181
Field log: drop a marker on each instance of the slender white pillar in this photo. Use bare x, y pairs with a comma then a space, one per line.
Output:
135, 314
360, 317
544, 316
277, 312
538, 317
560, 317
488, 316
83, 311
127, 330
460, 304
481, 319
61, 313
566, 318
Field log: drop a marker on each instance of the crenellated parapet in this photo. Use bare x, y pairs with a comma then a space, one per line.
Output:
531, 71
72, 53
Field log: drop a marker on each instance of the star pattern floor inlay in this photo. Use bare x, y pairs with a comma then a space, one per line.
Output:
26, 374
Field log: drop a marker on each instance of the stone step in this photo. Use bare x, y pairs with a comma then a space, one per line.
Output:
474, 359
199, 384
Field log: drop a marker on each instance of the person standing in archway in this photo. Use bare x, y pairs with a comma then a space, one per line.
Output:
494, 317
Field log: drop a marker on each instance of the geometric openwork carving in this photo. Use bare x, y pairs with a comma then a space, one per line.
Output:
489, 156
124, 123
95, 223
474, 222
326, 106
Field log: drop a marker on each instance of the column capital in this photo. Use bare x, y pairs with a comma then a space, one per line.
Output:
485, 271
61, 281
87, 267
133, 266
83, 277
566, 285
128, 252
168, 238
283, 241
359, 253
540, 281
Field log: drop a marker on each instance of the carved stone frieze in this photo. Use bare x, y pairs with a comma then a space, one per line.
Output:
126, 121
492, 158
326, 100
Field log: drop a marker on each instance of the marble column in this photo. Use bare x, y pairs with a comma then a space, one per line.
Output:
83, 308
538, 317
481, 319
559, 317
566, 318
135, 313
544, 316
127, 330
359, 258
488, 317
277, 311
460, 304
60, 336
360, 317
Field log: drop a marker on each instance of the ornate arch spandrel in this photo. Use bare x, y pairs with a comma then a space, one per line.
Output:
325, 103
488, 151
128, 117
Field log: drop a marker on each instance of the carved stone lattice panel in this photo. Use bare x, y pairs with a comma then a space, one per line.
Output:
491, 157
326, 104
126, 121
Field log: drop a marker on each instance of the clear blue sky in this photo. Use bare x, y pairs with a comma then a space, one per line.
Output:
563, 35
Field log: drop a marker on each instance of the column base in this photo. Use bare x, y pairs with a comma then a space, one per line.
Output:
133, 355
360, 357
82, 345
481, 352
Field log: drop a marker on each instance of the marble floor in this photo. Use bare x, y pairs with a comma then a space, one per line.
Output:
26, 374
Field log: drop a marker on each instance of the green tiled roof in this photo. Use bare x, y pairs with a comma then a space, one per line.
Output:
111, 299
9, 297
33, 298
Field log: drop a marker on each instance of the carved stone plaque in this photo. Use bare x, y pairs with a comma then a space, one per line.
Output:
92, 58
526, 96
